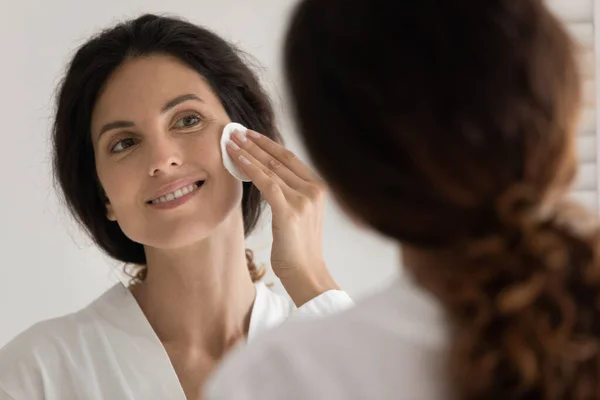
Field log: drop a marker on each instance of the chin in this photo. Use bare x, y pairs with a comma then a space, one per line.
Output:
193, 223
185, 232
177, 235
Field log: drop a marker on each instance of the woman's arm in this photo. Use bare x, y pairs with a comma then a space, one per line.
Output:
296, 196
308, 283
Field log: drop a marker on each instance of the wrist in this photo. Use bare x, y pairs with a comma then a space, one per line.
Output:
304, 285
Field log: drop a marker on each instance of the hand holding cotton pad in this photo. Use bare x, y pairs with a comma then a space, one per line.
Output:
229, 164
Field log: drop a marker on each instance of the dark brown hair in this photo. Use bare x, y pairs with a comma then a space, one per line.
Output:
457, 120
219, 62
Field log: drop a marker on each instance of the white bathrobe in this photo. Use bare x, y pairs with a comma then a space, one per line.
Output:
109, 351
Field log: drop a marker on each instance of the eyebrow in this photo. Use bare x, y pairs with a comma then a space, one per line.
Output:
170, 104
180, 99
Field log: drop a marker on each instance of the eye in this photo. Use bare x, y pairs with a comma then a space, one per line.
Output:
188, 121
123, 145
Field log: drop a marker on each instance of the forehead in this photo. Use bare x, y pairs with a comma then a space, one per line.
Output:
144, 85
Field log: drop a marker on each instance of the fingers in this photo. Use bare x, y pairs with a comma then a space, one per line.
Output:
273, 189
269, 149
280, 161
267, 163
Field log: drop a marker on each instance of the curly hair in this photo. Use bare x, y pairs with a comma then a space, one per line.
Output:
466, 149
218, 61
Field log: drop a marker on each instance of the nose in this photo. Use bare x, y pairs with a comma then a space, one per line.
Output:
165, 156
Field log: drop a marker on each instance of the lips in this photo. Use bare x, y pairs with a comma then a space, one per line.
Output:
177, 193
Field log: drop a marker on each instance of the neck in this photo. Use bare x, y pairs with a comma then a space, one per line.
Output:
200, 296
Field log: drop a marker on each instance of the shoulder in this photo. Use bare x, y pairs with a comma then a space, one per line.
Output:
361, 347
24, 360
45, 337
43, 348
63, 331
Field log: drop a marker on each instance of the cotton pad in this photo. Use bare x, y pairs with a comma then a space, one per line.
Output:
229, 164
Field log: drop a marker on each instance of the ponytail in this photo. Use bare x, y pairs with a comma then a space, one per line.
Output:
524, 304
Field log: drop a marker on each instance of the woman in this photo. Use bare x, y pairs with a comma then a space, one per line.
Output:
462, 150
137, 157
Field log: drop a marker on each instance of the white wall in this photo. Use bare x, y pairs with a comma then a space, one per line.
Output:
48, 267
580, 17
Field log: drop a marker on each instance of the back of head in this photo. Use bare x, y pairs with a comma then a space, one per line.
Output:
216, 60
450, 126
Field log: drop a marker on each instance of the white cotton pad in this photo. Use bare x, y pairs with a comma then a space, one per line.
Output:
229, 164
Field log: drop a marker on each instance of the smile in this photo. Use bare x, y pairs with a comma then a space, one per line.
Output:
177, 194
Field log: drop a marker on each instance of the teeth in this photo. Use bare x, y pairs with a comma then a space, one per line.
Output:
176, 194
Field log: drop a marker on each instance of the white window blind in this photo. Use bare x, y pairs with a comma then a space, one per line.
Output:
581, 18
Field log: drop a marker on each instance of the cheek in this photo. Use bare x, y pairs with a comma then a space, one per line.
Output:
118, 185
226, 189
206, 153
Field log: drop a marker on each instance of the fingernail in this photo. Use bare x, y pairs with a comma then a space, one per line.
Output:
244, 160
232, 145
240, 136
253, 134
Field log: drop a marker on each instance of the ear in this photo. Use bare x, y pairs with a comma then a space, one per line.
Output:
110, 214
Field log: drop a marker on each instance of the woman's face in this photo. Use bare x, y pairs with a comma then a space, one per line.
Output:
156, 129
